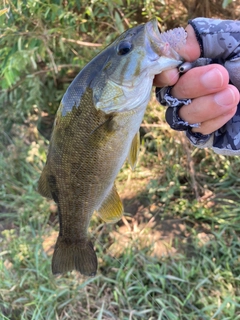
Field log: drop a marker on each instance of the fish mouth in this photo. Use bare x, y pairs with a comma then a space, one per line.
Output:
166, 43
153, 30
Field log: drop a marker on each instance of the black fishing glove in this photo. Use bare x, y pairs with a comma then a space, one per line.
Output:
219, 41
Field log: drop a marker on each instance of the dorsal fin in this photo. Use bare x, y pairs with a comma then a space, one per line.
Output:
111, 209
134, 151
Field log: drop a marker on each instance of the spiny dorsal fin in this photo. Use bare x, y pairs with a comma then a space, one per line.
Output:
134, 151
43, 185
111, 209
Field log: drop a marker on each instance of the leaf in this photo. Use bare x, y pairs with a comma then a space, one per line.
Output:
19, 43
3, 11
101, 312
9, 77
226, 3
119, 22
61, 45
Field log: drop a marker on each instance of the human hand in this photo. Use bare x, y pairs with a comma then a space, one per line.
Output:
214, 101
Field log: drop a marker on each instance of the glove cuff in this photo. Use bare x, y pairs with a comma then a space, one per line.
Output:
198, 36
172, 115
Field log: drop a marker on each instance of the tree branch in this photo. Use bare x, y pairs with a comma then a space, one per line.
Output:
82, 43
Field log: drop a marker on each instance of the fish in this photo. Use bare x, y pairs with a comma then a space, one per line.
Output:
96, 129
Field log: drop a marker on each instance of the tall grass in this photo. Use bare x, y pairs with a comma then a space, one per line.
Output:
197, 276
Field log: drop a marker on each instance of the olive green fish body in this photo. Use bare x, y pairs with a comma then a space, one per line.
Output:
83, 160
96, 129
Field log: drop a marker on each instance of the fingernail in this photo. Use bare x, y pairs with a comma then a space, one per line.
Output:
212, 79
225, 98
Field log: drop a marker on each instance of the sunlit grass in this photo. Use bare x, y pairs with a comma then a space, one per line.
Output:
197, 276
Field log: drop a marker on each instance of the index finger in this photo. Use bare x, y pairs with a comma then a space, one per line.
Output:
166, 78
201, 81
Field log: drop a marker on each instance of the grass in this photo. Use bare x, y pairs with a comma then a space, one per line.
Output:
174, 256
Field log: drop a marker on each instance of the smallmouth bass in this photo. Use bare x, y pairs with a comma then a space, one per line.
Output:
96, 128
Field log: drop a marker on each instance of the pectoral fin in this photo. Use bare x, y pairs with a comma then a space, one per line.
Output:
43, 185
134, 151
111, 209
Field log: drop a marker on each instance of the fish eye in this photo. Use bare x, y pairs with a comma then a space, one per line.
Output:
124, 47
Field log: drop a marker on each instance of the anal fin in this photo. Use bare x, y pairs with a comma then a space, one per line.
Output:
134, 150
111, 209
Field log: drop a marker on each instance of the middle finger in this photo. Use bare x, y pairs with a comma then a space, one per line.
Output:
211, 106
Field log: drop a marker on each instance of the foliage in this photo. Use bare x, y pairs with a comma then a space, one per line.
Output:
176, 253
43, 44
226, 3
40, 54
199, 279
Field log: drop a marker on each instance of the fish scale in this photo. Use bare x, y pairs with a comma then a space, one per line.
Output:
96, 129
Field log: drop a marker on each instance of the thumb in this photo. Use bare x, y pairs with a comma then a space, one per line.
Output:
191, 50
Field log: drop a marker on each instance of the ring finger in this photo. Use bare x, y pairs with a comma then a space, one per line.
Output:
211, 110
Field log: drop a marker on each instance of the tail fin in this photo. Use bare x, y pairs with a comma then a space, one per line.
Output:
74, 255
